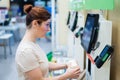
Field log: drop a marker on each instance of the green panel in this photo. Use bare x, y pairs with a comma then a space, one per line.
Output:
99, 4
91, 4
76, 5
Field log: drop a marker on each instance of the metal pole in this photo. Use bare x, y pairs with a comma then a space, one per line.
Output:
53, 25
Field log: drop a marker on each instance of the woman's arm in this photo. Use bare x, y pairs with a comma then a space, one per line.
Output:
56, 66
36, 74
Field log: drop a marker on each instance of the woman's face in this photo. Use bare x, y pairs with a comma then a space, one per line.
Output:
43, 28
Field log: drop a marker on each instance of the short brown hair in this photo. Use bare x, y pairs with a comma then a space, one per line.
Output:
35, 13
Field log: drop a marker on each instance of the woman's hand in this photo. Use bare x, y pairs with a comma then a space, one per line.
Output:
73, 72
72, 63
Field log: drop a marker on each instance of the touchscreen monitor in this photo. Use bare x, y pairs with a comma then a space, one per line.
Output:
90, 32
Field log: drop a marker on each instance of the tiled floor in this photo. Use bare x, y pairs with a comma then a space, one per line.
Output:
7, 66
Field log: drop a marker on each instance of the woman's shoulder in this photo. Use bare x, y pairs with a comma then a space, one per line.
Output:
25, 50
24, 47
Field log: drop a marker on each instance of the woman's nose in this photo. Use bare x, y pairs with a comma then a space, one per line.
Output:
48, 28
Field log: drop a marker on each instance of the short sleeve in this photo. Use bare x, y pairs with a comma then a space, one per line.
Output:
27, 60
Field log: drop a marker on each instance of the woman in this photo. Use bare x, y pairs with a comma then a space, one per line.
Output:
31, 60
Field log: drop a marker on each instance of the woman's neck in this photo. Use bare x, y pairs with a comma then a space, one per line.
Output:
29, 36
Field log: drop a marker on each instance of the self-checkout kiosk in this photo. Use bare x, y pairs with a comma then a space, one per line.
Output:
96, 41
75, 23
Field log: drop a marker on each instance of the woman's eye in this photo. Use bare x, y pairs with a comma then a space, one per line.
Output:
47, 24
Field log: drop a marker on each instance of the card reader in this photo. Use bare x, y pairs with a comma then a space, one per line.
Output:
104, 55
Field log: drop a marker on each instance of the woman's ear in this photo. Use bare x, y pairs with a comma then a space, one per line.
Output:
34, 23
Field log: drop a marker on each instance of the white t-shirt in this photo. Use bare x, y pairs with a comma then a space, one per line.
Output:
29, 56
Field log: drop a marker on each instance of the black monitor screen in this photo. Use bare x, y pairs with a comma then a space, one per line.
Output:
90, 32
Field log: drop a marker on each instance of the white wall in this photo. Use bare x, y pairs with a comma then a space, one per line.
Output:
62, 18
